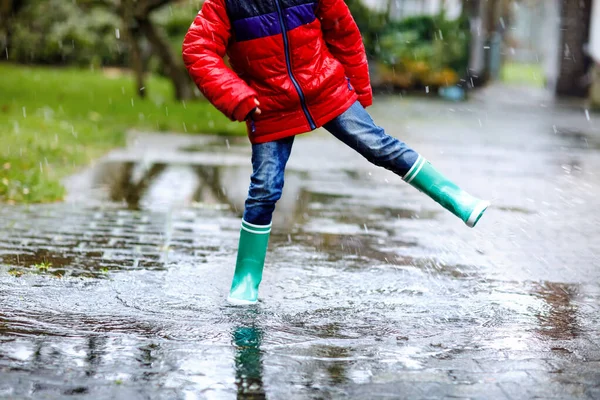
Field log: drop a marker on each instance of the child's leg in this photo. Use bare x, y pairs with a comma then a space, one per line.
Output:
266, 185
356, 128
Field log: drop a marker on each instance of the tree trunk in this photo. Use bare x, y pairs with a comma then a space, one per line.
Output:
574, 64
136, 60
173, 68
131, 31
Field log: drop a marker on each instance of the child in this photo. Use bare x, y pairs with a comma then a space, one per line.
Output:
296, 65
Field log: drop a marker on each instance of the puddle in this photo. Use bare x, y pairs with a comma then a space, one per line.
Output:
559, 318
369, 289
578, 139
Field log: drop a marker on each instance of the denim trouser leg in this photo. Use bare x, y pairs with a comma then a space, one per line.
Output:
356, 128
266, 183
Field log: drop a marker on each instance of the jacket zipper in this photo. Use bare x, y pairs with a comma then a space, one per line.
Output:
311, 122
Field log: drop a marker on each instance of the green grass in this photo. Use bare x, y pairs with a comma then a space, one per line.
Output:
54, 121
523, 74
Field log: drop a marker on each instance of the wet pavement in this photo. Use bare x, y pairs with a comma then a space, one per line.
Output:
370, 290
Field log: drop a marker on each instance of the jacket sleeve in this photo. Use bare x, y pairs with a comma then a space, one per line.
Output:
345, 43
204, 47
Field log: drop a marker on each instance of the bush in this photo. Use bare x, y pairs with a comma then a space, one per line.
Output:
58, 31
424, 50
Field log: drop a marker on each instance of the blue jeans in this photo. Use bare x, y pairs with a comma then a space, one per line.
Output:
355, 127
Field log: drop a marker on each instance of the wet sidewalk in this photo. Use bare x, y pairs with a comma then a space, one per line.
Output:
371, 290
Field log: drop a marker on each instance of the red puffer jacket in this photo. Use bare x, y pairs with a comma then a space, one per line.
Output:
304, 60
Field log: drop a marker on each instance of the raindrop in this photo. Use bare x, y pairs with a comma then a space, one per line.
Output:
366, 229
184, 105
166, 111
441, 35
24, 112
132, 102
117, 33
184, 127
502, 23
227, 143
587, 114
426, 89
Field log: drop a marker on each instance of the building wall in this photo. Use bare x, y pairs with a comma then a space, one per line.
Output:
406, 8
595, 32
594, 50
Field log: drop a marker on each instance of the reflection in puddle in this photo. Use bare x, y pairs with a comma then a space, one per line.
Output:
124, 188
248, 362
578, 139
73, 263
337, 362
142, 186
558, 320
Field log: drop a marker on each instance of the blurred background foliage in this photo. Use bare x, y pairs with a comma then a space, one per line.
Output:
415, 51
88, 33
61, 32
421, 50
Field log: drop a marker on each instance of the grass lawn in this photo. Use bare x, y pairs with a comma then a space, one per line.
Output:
523, 74
54, 120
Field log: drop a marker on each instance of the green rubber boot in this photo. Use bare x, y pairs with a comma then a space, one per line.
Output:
250, 261
430, 181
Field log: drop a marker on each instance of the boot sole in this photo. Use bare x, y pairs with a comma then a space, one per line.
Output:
239, 302
477, 213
